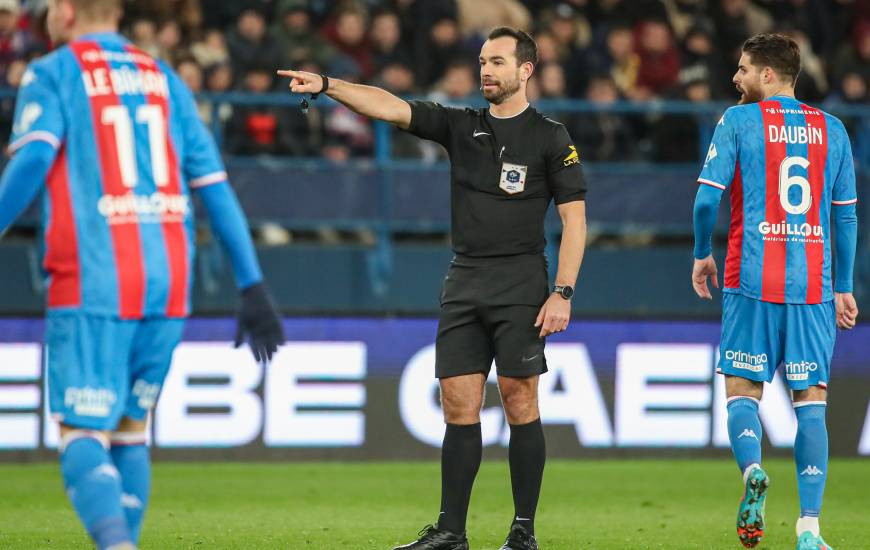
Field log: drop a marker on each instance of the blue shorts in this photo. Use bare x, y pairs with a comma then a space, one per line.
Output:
758, 336
100, 369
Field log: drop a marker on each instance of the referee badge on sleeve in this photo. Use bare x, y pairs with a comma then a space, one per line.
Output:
513, 178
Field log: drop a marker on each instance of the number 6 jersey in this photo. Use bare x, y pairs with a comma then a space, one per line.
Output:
786, 164
118, 221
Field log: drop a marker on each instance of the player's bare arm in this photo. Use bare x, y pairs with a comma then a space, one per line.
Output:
368, 101
556, 311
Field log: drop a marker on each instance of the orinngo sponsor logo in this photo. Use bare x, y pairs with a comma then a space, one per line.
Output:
800, 371
747, 361
90, 401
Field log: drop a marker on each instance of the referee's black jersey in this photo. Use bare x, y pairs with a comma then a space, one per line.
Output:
504, 171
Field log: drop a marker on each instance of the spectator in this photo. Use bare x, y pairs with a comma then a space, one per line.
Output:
444, 46
386, 39
348, 35
477, 18
601, 136
548, 47
15, 43
219, 79
659, 60
143, 33
812, 84
572, 34
211, 50
551, 81
169, 40
398, 79
676, 137
295, 38
458, 83
191, 74
249, 45
619, 59
263, 129
737, 20
854, 56
699, 56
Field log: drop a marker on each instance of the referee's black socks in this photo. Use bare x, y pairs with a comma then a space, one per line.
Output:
527, 453
460, 460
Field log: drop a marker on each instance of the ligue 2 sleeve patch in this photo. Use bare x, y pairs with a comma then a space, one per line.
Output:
572, 158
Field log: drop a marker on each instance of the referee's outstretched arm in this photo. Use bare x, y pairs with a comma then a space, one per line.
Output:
368, 101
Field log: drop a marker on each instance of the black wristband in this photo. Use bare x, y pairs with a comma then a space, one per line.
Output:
325, 80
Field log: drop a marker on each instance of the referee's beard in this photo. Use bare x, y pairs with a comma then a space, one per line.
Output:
502, 91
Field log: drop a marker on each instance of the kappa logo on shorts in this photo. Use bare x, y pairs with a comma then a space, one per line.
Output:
800, 371
746, 361
513, 178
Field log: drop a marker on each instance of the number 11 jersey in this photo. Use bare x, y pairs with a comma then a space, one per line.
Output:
786, 164
118, 220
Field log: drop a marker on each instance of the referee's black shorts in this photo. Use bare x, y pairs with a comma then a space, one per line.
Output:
488, 311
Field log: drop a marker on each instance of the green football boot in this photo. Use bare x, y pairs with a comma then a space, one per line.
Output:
808, 541
750, 515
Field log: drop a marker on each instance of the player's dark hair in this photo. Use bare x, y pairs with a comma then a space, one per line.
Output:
527, 50
777, 51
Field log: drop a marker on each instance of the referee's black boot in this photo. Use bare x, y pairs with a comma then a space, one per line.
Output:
432, 538
519, 539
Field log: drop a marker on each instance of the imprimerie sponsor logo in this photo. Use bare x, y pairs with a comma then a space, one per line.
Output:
155, 208
794, 232
800, 371
747, 361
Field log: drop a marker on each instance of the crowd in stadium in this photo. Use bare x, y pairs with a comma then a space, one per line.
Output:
600, 50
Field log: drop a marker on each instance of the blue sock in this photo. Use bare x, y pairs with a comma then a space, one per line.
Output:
811, 457
744, 430
94, 488
135, 467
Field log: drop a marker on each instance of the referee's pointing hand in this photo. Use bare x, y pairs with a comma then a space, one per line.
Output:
554, 315
303, 83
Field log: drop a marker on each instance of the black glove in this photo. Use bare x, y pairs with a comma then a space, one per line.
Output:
258, 321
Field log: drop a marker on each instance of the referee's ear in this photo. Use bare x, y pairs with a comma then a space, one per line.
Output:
527, 69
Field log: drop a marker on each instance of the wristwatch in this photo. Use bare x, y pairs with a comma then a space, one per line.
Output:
566, 291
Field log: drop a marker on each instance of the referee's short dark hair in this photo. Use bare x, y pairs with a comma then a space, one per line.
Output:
777, 51
527, 50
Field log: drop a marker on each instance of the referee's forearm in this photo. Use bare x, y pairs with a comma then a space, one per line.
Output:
571, 251
371, 102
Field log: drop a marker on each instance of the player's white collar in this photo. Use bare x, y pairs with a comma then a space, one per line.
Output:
511, 116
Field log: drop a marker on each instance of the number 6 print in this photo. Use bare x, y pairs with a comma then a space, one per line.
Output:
786, 182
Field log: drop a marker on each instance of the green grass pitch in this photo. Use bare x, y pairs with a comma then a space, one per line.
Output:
619, 504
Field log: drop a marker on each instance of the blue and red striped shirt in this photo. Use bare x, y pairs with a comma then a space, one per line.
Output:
118, 219
786, 164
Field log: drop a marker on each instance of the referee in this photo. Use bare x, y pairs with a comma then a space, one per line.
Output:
507, 162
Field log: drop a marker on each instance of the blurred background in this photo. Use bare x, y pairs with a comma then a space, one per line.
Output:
351, 219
